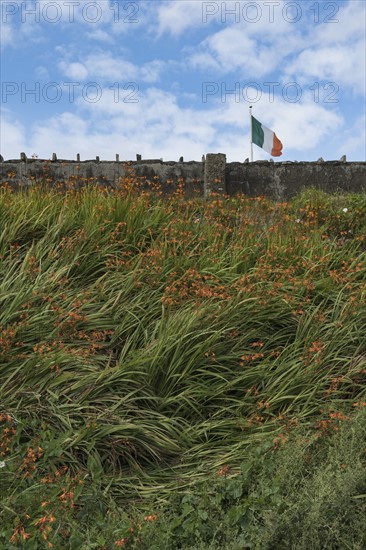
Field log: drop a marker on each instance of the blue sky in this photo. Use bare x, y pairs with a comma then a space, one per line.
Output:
154, 78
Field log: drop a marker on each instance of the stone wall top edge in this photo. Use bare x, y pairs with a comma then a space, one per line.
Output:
93, 161
190, 162
298, 163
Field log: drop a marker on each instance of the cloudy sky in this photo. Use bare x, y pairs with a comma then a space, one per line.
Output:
176, 78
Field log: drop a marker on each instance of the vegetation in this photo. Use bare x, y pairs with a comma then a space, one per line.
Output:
179, 373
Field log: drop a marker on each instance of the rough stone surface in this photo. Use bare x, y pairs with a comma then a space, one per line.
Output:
214, 180
278, 180
105, 173
282, 180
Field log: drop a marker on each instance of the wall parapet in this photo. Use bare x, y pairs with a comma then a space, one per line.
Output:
283, 180
212, 175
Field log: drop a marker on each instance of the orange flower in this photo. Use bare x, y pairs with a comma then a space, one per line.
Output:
280, 439
151, 518
19, 531
120, 542
223, 471
257, 344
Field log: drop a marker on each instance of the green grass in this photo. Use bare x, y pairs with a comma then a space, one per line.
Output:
200, 364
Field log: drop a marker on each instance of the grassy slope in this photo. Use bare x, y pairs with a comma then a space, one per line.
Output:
199, 365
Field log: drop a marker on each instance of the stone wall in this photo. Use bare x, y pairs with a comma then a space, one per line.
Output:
285, 179
278, 180
215, 174
20, 174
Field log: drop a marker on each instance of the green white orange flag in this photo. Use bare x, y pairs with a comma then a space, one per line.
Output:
265, 138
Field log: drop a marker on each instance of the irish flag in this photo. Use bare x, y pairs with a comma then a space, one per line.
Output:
265, 138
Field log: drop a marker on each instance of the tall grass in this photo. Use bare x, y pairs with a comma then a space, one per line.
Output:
148, 342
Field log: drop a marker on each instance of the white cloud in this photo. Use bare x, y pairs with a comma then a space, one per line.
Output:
248, 50
350, 25
76, 71
342, 64
104, 66
42, 73
176, 17
100, 35
18, 36
306, 125
354, 140
7, 36
232, 50
12, 135
203, 60
25, 21
151, 72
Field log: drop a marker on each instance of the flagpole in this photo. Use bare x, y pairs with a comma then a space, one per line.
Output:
251, 133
